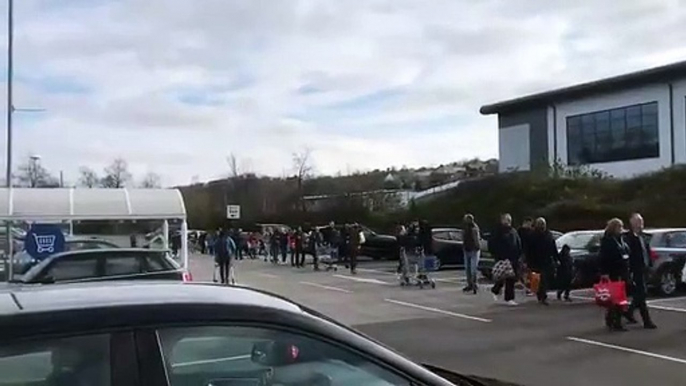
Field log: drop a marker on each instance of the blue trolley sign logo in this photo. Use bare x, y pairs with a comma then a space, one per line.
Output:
44, 240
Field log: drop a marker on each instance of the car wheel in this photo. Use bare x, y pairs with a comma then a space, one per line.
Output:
667, 283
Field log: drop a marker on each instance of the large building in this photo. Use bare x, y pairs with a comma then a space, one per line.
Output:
624, 125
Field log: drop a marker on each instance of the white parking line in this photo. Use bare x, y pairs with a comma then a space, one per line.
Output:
370, 270
438, 311
666, 299
208, 361
450, 280
629, 350
362, 279
665, 308
326, 287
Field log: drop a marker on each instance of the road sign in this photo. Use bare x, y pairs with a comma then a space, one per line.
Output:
233, 212
43, 240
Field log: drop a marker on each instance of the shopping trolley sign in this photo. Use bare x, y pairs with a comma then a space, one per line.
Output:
43, 240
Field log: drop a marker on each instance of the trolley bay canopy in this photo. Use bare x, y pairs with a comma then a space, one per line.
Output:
84, 204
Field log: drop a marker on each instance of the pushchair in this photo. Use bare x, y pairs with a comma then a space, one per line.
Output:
416, 268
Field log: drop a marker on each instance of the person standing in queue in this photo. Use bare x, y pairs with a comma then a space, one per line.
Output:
225, 249
355, 244
505, 244
344, 246
525, 232
543, 253
639, 263
614, 264
299, 240
471, 251
565, 273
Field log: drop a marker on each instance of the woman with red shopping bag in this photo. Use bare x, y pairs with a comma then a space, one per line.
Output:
614, 268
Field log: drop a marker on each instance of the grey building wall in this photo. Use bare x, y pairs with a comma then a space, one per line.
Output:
537, 119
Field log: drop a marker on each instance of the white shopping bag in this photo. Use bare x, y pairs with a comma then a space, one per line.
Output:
683, 274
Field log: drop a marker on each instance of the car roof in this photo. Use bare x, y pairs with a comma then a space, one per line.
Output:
595, 231
122, 294
664, 230
106, 250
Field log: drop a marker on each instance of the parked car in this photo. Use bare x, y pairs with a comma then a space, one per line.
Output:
23, 261
188, 335
377, 245
667, 252
105, 265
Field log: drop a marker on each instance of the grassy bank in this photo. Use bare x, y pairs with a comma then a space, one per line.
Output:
582, 202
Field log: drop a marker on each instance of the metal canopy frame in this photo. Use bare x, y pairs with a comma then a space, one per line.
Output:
98, 204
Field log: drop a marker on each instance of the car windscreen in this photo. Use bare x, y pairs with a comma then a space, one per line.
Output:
576, 240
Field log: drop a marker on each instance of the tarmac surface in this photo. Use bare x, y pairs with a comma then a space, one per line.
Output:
565, 344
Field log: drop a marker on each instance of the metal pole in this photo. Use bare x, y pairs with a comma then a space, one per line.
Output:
10, 76
10, 109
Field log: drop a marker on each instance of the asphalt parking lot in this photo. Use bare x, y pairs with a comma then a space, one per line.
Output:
563, 344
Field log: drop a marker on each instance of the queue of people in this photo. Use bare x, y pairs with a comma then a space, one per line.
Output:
531, 249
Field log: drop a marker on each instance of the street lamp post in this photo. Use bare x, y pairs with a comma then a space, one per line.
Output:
10, 76
9, 268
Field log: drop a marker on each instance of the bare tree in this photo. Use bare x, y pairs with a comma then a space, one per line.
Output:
234, 170
151, 180
33, 175
117, 174
303, 170
88, 177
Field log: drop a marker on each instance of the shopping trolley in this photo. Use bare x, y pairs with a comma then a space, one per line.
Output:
417, 268
45, 243
329, 257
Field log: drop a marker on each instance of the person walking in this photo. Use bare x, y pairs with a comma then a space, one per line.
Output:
639, 263
133, 240
471, 246
543, 253
225, 249
505, 244
614, 256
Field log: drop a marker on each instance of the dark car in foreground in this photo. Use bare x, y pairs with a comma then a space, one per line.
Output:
105, 265
667, 253
181, 334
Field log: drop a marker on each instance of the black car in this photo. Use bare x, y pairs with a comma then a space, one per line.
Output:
105, 264
180, 334
378, 246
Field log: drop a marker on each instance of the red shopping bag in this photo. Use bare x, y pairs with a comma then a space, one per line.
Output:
610, 293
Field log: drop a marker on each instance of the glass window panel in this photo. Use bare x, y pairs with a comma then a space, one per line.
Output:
613, 135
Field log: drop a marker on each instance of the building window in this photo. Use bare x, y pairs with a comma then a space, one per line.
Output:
620, 134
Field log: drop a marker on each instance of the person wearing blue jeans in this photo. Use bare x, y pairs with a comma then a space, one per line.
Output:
471, 251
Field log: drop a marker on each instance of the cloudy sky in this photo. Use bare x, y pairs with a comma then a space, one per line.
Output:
174, 86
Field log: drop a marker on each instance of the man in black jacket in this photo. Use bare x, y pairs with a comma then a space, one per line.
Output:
504, 244
639, 262
543, 253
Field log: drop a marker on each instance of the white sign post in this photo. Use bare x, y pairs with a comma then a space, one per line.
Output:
233, 212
